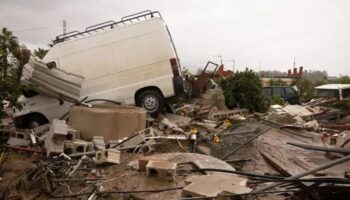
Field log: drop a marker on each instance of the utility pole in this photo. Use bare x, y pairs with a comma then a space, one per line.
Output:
233, 65
64, 27
259, 64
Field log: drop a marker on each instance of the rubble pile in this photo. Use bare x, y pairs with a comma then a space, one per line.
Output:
200, 150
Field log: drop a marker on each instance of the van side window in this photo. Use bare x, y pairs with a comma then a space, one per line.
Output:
346, 93
289, 91
29, 93
267, 92
278, 91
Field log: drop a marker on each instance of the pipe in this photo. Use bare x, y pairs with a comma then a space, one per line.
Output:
239, 173
23, 149
308, 172
88, 153
336, 126
319, 148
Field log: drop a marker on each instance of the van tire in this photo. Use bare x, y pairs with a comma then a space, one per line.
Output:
151, 100
35, 120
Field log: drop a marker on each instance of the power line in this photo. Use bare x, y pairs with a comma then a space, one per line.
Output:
36, 29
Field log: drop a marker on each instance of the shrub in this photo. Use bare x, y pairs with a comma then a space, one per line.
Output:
275, 99
243, 90
306, 89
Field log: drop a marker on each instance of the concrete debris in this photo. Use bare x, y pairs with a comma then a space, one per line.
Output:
343, 140
297, 110
107, 156
99, 142
203, 149
283, 118
120, 147
131, 142
167, 124
143, 161
54, 142
214, 185
162, 169
214, 97
77, 146
13, 141
312, 125
222, 114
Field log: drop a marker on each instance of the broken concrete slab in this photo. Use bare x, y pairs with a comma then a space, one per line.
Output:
283, 118
312, 125
170, 125
162, 169
199, 160
13, 141
99, 142
131, 142
110, 121
203, 149
214, 184
143, 161
53, 82
178, 119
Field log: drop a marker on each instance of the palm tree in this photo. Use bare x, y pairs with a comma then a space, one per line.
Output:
22, 55
8, 43
40, 53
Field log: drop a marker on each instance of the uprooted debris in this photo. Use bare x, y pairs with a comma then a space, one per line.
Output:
198, 151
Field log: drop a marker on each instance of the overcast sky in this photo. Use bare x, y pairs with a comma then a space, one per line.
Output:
259, 34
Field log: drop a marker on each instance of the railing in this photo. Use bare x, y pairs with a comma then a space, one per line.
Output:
144, 15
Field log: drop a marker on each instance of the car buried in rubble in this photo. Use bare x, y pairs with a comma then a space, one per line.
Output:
131, 61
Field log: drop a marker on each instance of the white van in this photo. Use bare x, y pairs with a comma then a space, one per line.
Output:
132, 61
339, 91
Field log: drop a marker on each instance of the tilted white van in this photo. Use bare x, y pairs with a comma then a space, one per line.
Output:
132, 61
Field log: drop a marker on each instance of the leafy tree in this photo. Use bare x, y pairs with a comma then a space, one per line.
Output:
275, 99
306, 89
277, 82
344, 104
12, 59
40, 53
22, 55
243, 90
10, 90
343, 80
8, 43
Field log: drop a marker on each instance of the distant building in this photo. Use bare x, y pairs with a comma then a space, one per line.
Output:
287, 79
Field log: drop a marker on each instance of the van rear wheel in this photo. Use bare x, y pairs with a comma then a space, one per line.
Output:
152, 101
35, 120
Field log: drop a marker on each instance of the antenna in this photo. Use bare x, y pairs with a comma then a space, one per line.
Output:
219, 56
294, 63
64, 27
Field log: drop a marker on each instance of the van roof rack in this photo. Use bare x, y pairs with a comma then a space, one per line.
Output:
129, 19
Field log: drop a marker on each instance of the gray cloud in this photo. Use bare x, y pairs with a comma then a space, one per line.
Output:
257, 34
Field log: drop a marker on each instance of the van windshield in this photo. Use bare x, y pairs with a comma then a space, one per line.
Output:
326, 93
